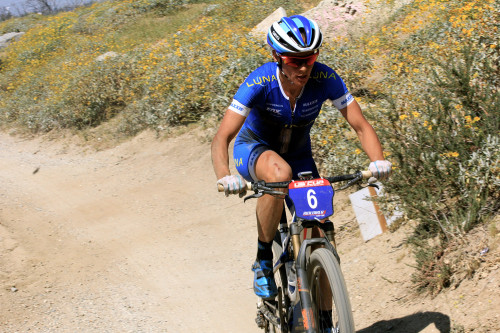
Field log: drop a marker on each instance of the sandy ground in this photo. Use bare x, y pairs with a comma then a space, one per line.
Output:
135, 238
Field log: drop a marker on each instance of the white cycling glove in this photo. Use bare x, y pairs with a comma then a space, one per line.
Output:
233, 184
381, 169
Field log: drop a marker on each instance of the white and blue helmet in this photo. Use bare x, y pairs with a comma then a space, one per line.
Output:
294, 34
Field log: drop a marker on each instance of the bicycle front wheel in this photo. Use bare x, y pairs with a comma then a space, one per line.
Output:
330, 300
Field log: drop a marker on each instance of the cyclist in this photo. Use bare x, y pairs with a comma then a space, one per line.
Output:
272, 114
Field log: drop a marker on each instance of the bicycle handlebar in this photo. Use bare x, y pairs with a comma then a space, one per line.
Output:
220, 187
364, 175
358, 175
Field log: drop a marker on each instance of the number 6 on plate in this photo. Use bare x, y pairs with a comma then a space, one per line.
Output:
313, 199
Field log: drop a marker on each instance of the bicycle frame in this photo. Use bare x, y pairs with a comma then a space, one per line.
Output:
292, 234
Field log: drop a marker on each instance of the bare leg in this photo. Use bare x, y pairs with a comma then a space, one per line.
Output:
270, 167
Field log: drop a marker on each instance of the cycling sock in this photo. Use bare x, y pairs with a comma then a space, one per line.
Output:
264, 250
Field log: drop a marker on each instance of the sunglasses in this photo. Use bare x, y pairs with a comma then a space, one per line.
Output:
298, 61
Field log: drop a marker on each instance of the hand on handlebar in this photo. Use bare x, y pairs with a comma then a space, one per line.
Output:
381, 169
233, 184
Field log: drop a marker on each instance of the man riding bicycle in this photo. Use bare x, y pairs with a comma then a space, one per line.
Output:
272, 114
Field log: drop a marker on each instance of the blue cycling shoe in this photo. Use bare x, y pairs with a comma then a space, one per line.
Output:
263, 282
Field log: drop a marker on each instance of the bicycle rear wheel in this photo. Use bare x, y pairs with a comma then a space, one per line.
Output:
330, 300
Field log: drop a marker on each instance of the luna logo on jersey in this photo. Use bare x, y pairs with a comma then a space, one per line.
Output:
262, 80
238, 162
323, 75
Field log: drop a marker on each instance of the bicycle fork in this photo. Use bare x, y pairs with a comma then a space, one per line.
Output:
300, 265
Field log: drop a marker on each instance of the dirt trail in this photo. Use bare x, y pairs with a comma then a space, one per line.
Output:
134, 239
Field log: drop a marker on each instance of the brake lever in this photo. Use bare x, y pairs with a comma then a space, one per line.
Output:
351, 182
259, 194
371, 185
252, 196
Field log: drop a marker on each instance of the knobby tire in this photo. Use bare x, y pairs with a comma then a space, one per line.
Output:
322, 260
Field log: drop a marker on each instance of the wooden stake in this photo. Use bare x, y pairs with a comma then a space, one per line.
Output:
380, 216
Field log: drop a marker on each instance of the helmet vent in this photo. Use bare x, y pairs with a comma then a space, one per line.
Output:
294, 34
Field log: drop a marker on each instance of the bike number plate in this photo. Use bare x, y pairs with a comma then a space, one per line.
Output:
313, 199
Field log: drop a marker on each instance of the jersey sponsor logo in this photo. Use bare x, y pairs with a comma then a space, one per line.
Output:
346, 100
323, 75
311, 103
262, 80
236, 106
343, 101
310, 110
314, 213
238, 162
274, 111
239, 108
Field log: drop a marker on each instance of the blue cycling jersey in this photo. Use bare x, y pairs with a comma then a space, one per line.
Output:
270, 118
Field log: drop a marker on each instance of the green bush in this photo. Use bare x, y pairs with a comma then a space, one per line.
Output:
174, 80
433, 273
446, 148
434, 102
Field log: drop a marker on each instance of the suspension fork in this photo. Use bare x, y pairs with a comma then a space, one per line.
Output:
295, 233
327, 227
329, 230
303, 284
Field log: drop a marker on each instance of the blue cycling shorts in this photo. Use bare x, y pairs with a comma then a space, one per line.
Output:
245, 156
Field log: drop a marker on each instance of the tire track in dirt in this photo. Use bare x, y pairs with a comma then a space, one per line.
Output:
134, 238
126, 239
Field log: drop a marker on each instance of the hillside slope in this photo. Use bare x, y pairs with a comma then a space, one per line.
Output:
134, 238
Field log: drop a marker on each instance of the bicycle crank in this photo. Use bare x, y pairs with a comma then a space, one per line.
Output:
266, 315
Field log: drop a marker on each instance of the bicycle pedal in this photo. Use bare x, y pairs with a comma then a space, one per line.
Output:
260, 320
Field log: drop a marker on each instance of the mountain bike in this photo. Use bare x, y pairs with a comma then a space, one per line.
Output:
312, 295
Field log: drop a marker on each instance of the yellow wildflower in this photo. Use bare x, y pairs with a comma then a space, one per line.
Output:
451, 154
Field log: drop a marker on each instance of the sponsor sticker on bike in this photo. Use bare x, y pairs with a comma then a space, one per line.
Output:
312, 198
